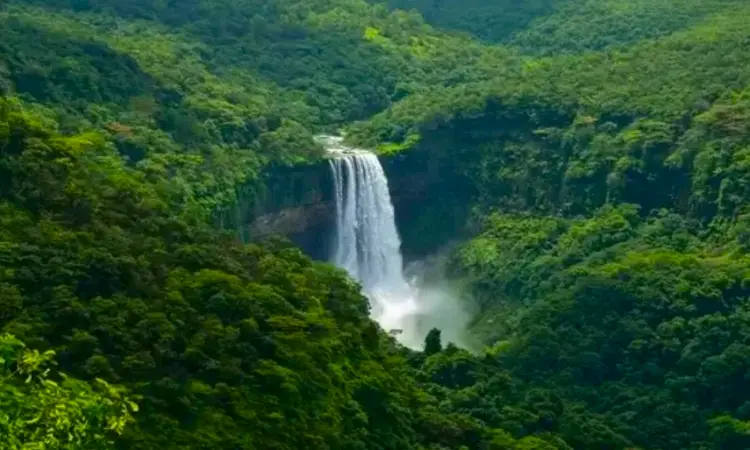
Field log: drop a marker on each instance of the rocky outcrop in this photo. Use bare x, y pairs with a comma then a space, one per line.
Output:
293, 220
297, 202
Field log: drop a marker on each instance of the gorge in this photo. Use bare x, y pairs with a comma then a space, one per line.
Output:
558, 187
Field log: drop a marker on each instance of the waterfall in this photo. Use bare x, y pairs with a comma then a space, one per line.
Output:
366, 242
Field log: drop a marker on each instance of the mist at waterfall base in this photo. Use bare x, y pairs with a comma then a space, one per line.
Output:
367, 245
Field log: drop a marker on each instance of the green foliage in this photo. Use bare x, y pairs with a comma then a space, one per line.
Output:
217, 338
210, 92
580, 25
610, 268
490, 20
566, 26
667, 80
600, 153
635, 324
42, 411
432, 343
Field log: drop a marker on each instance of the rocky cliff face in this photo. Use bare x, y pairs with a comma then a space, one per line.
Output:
298, 203
293, 220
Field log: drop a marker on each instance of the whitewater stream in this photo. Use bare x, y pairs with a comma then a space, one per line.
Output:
366, 242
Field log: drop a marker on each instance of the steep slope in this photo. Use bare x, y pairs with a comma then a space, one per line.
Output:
565, 26
123, 127
211, 92
223, 345
567, 134
494, 21
583, 25
639, 322
214, 337
610, 267
604, 184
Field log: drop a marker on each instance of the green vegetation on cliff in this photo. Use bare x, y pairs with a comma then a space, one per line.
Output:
597, 154
226, 345
641, 321
566, 26
610, 193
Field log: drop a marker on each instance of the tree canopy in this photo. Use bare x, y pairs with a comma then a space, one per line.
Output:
594, 152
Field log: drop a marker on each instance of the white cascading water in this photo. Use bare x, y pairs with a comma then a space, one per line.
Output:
366, 243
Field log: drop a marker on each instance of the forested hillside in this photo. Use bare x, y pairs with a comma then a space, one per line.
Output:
595, 152
565, 26
610, 191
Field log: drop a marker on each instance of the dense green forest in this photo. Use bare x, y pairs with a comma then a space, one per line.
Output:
591, 157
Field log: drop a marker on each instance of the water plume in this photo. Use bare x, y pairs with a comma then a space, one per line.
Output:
367, 245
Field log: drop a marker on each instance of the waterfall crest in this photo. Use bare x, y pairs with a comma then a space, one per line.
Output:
366, 242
